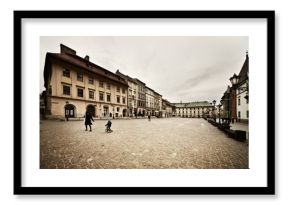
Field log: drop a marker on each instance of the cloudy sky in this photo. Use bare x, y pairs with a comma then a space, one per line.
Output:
179, 68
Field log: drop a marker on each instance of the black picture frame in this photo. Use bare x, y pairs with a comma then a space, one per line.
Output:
19, 189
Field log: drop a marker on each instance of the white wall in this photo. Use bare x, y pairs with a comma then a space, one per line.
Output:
243, 106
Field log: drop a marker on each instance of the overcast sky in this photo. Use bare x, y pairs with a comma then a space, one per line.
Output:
179, 68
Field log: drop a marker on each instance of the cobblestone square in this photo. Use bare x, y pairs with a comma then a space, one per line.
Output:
170, 143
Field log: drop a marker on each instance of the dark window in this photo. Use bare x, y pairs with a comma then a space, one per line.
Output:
80, 77
247, 113
239, 100
66, 90
118, 89
239, 114
101, 84
80, 92
124, 101
91, 94
108, 86
91, 80
118, 99
66, 72
123, 90
118, 109
108, 98
101, 96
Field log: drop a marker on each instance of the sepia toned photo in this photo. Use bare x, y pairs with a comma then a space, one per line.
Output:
144, 102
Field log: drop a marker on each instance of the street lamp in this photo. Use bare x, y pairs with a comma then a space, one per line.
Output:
219, 106
234, 80
228, 99
214, 102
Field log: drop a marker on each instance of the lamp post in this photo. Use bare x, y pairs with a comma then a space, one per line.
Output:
214, 102
228, 104
219, 106
234, 81
113, 113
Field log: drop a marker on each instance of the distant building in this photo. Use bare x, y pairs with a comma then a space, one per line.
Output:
150, 109
76, 85
141, 98
167, 108
193, 109
157, 104
132, 93
227, 105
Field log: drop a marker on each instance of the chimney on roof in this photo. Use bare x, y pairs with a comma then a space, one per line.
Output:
87, 58
65, 49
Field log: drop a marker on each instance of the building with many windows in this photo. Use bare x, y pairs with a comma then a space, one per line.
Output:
75, 85
167, 108
193, 109
138, 94
157, 104
132, 93
150, 109
141, 98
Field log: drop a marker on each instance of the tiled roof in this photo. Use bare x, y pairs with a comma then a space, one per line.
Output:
244, 71
193, 104
135, 80
86, 65
139, 81
126, 76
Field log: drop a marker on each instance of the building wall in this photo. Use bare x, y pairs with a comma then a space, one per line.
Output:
58, 99
141, 100
242, 106
58, 108
132, 95
192, 111
150, 102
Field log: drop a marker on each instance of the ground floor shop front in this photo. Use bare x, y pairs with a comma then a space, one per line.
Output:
63, 108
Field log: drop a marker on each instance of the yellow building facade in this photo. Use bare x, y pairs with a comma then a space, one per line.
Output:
75, 85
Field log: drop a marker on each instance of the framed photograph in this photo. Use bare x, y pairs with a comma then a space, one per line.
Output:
144, 102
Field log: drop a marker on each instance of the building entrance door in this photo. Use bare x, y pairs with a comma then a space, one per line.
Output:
124, 112
106, 111
69, 110
91, 110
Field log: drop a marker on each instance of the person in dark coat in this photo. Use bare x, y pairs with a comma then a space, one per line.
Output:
88, 121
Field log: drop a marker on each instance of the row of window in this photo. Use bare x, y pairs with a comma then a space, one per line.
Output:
141, 104
80, 77
193, 109
80, 93
198, 111
239, 114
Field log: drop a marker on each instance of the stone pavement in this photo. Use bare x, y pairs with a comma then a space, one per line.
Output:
161, 143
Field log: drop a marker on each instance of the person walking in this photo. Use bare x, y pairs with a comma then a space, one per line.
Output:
88, 121
149, 117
